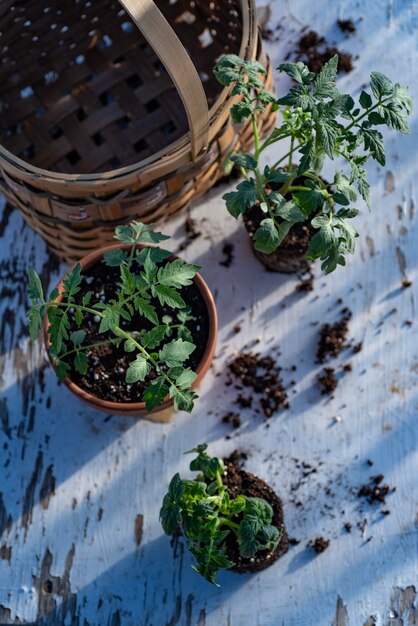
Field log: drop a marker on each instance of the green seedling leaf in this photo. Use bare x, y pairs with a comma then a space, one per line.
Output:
155, 393
81, 363
237, 202
34, 289
115, 257
138, 370
176, 352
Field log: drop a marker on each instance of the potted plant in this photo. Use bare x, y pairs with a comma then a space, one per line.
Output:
292, 214
130, 329
231, 518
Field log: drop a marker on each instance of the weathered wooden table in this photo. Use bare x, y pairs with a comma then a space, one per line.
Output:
80, 492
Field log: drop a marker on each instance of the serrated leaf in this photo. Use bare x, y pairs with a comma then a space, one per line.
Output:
146, 309
177, 274
128, 285
395, 118
153, 338
380, 84
168, 296
327, 135
138, 370
364, 190
79, 317
298, 97
62, 369
309, 201
373, 141
286, 209
276, 176
58, 327
156, 254
34, 289
324, 84
114, 257
402, 97
155, 393
345, 191
240, 111
176, 352
77, 337
298, 71
86, 298
183, 399
125, 234
72, 281
248, 529
110, 319
186, 379
243, 198
35, 323
81, 363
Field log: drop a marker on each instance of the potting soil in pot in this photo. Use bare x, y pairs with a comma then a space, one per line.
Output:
107, 364
238, 482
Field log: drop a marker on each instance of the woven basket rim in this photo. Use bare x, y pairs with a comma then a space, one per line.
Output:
179, 148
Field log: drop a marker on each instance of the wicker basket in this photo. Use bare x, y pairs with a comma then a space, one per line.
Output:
101, 124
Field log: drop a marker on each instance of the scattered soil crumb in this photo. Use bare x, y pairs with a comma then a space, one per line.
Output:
375, 491
237, 329
139, 528
406, 283
293, 541
358, 347
346, 26
237, 458
233, 419
319, 544
348, 527
228, 251
327, 381
348, 367
305, 285
332, 337
192, 232
262, 374
314, 51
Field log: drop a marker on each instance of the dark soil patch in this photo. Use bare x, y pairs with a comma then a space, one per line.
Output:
107, 365
291, 255
238, 482
319, 544
192, 232
346, 26
406, 283
233, 419
314, 51
228, 252
332, 337
375, 491
261, 374
327, 381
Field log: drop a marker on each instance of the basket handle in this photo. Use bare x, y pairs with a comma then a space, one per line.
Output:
171, 52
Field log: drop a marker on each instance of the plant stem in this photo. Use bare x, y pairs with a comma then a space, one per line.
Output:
81, 347
223, 521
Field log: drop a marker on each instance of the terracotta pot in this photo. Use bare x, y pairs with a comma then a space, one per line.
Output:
137, 409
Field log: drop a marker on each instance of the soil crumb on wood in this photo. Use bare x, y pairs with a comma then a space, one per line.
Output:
332, 337
228, 252
315, 52
192, 232
319, 544
306, 284
346, 26
375, 491
139, 528
261, 374
237, 458
232, 418
327, 381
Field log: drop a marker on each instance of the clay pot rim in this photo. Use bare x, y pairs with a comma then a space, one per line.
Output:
138, 408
